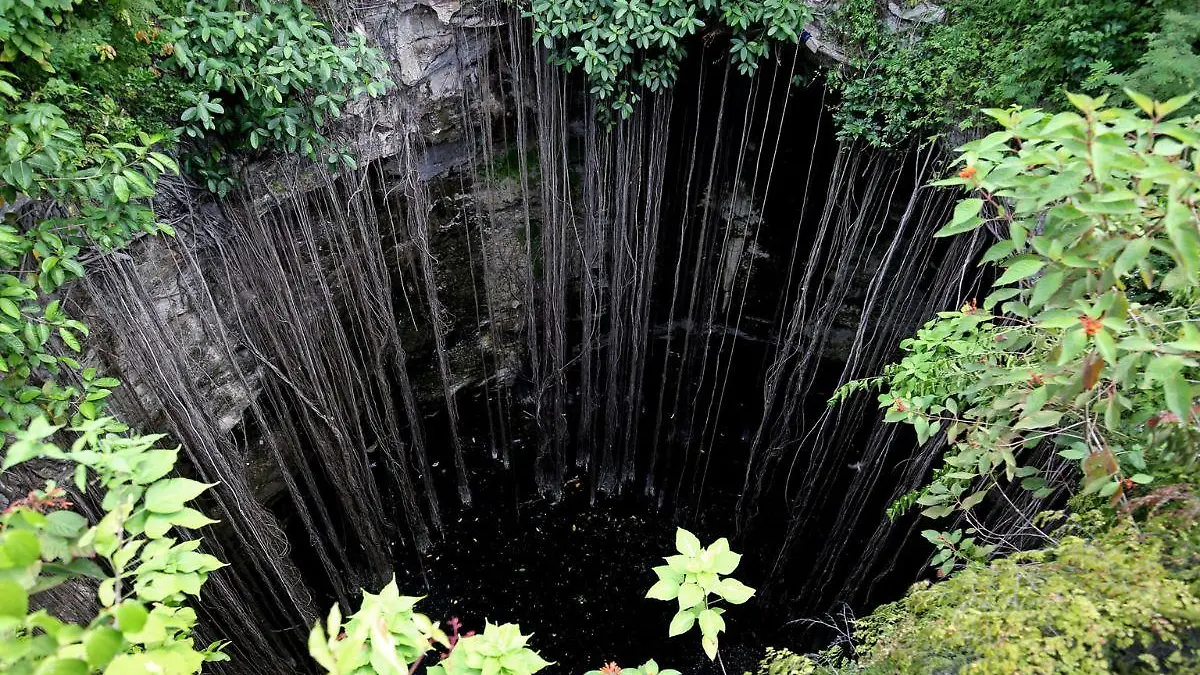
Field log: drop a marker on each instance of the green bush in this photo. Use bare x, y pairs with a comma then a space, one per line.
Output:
267, 79
927, 78
630, 47
1088, 343
1081, 606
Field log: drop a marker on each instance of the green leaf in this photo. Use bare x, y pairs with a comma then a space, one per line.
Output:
1133, 255
101, 645
65, 524
10, 308
1144, 102
734, 591
663, 590
690, 595
1047, 286
1179, 396
190, 518
965, 219
710, 647
1020, 268
667, 573
21, 547
711, 623
14, 601
1171, 105
153, 465
681, 623
1040, 419
169, 496
973, 500
687, 543
120, 188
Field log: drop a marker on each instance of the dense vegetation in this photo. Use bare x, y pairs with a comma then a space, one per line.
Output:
929, 77
92, 98
1089, 345
628, 49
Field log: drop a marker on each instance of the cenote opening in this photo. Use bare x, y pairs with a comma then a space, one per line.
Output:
509, 354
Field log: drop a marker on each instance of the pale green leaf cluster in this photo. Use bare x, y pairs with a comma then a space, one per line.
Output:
697, 577
499, 650
51, 406
146, 576
384, 636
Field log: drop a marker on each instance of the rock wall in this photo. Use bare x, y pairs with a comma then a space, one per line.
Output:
437, 50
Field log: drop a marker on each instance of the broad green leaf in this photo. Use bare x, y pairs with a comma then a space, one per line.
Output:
1132, 256
14, 601
120, 188
1179, 396
735, 591
681, 623
169, 496
687, 543
711, 623
65, 523
131, 617
690, 595
21, 547
965, 218
101, 645
1019, 269
663, 590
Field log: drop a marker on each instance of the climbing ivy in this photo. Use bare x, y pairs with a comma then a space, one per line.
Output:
629, 47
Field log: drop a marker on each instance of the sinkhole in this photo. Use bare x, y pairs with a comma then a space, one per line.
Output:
556, 388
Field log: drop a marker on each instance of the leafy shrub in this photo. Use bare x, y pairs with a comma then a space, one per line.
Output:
1081, 607
926, 78
96, 63
1091, 336
269, 78
1088, 342
1171, 63
630, 46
